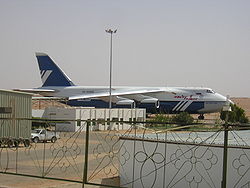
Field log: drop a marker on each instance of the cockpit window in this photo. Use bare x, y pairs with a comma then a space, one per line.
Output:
210, 91
198, 93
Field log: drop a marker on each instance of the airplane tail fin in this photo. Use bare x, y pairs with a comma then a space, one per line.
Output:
51, 74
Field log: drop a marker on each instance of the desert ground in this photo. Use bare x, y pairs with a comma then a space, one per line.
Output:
244, 103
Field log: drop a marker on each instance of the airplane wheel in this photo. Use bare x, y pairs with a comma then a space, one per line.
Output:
53, 139
36, 140
16, 143
201, 117
9, 143
26, 142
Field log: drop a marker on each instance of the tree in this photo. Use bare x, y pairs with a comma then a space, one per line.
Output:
183, 118
237, 115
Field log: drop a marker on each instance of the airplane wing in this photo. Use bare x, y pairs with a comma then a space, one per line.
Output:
117, 93
39, 91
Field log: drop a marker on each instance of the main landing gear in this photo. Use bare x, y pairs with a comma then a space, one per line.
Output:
201, 117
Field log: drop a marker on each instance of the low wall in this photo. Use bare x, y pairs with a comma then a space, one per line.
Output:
149, 163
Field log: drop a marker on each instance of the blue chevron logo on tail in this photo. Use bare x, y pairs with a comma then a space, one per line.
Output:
51, 74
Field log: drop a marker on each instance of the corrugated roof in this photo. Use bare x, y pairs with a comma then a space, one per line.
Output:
16, 92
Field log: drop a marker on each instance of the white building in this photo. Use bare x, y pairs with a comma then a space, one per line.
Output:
98, 114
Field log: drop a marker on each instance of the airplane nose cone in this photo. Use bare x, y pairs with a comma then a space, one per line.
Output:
221, 98
225, 101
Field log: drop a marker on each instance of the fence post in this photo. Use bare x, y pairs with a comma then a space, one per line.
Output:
134, 126
85, 172
44, 154
224, 173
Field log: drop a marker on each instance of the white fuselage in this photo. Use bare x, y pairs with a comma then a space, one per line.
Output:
172, 99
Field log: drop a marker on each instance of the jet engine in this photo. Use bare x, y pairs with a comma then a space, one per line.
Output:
143, 101
126, 102
151, 100
121, 101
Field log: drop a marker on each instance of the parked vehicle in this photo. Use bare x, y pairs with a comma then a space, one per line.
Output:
44, 135
14, 142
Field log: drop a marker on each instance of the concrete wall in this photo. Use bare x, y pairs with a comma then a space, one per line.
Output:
37, 113
161, 164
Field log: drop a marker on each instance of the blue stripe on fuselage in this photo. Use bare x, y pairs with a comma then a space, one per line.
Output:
195, 106
89, 103
165, 106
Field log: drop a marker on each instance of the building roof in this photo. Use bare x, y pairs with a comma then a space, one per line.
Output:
15, 92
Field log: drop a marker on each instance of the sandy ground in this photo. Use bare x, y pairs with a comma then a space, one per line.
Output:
244, 103
42, 104
27, 166
12, 181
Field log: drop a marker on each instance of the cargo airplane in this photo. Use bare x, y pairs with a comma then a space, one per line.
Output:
155, 99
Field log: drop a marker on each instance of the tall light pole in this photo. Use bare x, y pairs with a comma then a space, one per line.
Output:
110, 66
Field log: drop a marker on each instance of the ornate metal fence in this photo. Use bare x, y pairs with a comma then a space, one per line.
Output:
62, 159
131, 154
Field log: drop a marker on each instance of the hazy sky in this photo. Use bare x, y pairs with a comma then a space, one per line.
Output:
158, 43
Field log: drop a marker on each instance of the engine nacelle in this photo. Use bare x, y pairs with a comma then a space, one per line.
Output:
124, 101
151, 100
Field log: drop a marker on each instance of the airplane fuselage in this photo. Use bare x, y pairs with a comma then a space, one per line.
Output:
55, 83
173, 100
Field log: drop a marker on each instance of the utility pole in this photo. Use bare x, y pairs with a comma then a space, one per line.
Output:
110, 65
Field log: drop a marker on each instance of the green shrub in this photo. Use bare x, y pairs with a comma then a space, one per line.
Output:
183, 118
161, 118
237, 115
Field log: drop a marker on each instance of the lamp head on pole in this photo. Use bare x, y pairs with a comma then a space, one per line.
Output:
110, 31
